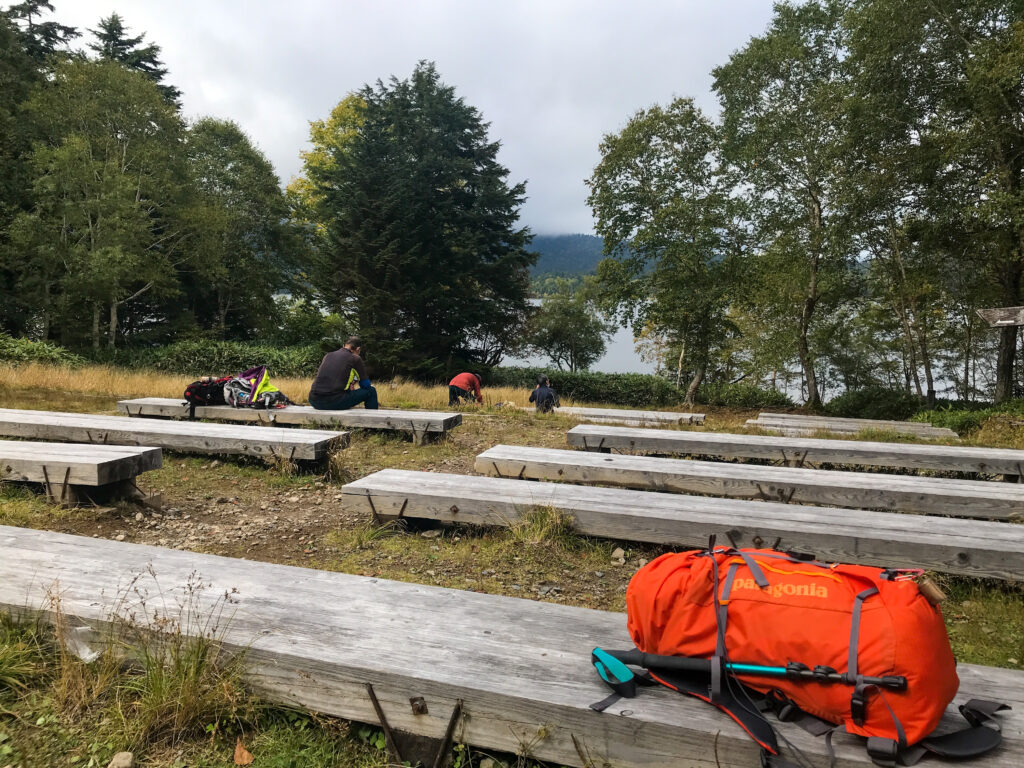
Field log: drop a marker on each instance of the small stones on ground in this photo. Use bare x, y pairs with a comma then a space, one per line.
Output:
119, 537
599, 574
641, 562
618, 556
488, 762
432, 533
516, 587
138, 517
122, 760
293, 499
1013, 661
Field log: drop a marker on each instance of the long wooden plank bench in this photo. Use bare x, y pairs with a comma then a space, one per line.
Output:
521, 668
968, 547
857, 490
633, 418
191, 437
67, 470
421, 425
798, 451
808, 426
843, 420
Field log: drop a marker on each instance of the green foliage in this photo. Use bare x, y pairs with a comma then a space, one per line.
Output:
21, 350
225, 358
114, 44
422, 250
567, 254
741, 395
568, 329
874, 403
632, 389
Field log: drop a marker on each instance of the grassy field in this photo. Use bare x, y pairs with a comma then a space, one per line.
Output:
56, 711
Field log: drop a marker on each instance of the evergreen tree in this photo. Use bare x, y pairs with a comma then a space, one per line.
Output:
423, 254
41, 39
114, 44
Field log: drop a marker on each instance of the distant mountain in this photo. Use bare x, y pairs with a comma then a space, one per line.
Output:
567, 254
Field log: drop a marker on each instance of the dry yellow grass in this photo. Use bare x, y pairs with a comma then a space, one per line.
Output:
110, 381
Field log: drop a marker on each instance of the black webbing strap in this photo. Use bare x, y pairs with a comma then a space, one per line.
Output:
858, 701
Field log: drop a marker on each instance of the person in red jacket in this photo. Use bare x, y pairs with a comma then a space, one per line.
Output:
465, 386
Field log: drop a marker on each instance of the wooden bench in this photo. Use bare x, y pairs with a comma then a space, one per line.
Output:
967, 547
631, 418
858, 490
422, 425
69, 472
191, 437
795, 424
521, 668
797, 451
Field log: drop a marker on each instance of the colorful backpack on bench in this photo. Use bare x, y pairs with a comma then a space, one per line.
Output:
827, 645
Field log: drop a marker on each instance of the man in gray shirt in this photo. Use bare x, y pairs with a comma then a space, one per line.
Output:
341, 381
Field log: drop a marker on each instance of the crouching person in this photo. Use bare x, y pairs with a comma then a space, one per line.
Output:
341, 381
544, 396
465, 386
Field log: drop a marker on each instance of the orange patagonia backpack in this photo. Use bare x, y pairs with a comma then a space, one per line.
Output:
827, 645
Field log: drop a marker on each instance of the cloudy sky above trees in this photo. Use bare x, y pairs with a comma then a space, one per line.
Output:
551, 76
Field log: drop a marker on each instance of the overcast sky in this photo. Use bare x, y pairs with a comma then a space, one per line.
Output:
551, 76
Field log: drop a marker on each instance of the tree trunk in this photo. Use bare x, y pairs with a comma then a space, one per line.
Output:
695, 382
96, 327
807, 311
922, 337
1008, 337
679, 366
967, 355
111, 339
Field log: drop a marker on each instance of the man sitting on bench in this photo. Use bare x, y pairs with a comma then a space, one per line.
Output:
341, 381
465, 386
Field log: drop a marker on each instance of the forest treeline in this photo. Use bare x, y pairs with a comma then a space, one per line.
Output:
834, 226
859, 196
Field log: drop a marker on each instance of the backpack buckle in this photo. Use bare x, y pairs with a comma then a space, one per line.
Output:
858, 706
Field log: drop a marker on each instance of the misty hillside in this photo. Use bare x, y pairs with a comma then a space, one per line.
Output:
567, 253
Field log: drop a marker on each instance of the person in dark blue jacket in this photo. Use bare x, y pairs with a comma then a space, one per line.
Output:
544, 396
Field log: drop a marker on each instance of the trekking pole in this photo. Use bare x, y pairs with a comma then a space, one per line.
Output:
793, 670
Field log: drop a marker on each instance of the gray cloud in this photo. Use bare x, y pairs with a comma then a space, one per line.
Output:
551, 76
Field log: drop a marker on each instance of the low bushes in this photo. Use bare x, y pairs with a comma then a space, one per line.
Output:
224, 358
633, 389
874, 403
18, 350
742, 395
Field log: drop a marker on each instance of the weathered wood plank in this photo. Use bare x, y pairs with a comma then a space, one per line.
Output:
856, 490
840, 420
630, 417
1000, 461
1001, 316
61, 463
967, 547
413, 422
191, 437
809, 426
315, 639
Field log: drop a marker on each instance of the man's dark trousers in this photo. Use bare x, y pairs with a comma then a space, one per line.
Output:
350, 399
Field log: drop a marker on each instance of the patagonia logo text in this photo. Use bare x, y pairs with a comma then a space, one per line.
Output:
778, 590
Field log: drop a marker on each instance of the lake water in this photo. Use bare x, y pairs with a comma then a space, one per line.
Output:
619, 357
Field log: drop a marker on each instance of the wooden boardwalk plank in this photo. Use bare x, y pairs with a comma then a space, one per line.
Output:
967, 547
416, 423
626, 416
92, 465
841, 420
857, 490
315, 638
1000, 461
798, 427
191, 437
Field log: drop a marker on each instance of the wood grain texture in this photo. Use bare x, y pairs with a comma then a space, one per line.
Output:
808, 426
413, 422
626, 416
856, 490
841, 420
315, 638
191, 437
1001, 461
92, 465
967, 547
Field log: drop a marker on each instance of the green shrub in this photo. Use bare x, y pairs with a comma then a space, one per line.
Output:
741, 395
223, 358
18, 350
960, 421
874, 403
633, 389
